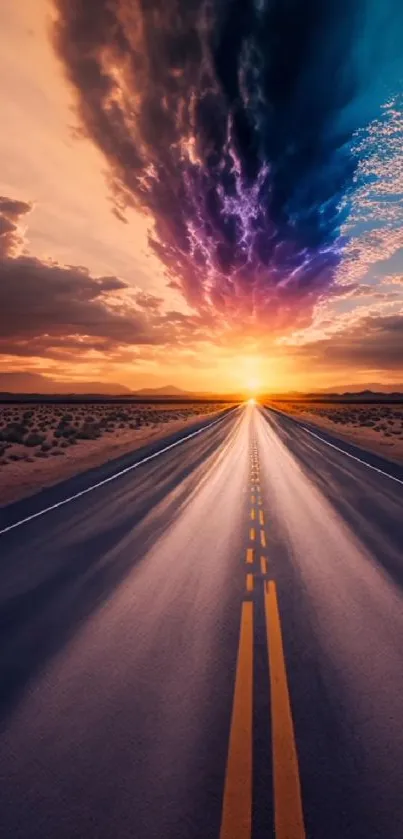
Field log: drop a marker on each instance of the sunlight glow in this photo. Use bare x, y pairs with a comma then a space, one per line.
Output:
252, 385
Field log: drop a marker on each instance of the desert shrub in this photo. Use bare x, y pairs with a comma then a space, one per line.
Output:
34, 439
12, 435
69, 432
88, 433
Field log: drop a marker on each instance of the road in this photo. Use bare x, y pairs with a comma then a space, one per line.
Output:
207, 646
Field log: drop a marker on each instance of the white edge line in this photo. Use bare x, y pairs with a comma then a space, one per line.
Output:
111, 477
338, 449
354, 457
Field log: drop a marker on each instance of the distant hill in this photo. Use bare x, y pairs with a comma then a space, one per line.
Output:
39, 384
364, 388
168, 390
355, 397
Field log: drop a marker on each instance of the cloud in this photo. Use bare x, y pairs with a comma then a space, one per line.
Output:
236, 128
11, 212
395, 279
51, 310
11, 208
372, 343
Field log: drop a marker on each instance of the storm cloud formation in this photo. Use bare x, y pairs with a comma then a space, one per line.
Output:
234, 125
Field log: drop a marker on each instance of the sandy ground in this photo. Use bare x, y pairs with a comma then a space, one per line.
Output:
385, 437
23, 478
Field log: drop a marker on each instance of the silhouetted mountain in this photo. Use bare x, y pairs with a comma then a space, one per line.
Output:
20, 382
364, 388
168, 390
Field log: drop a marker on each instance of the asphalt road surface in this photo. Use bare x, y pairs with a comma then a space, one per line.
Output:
204, 640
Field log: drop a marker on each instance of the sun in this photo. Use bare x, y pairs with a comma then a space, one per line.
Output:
252, 389
252, 385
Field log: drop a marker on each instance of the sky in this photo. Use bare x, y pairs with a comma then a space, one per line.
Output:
205, 193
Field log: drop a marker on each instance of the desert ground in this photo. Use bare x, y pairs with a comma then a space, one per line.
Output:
42, 444
377, 427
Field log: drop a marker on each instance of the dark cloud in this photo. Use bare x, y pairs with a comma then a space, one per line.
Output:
374, 343
231, 123
6, 226
11, 208
62, 311
10, 213
39, 299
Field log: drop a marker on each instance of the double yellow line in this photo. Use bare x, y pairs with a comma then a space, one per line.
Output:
236, 822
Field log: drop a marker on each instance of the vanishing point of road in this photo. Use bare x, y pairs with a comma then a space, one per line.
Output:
204, 640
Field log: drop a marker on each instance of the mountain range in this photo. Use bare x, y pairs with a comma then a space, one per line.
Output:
37, 383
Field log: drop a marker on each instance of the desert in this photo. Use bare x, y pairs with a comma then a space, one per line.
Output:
376, 427
43, 443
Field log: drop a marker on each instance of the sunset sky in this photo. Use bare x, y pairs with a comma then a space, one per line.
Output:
211, 199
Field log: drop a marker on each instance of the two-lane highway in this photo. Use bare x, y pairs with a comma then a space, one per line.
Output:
208, 645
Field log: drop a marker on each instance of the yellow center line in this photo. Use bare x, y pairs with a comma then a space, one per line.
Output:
262, 538
236, 820
263, 564
261, 517
249, 582
252, 534
288, 816
249, 556
252, 513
